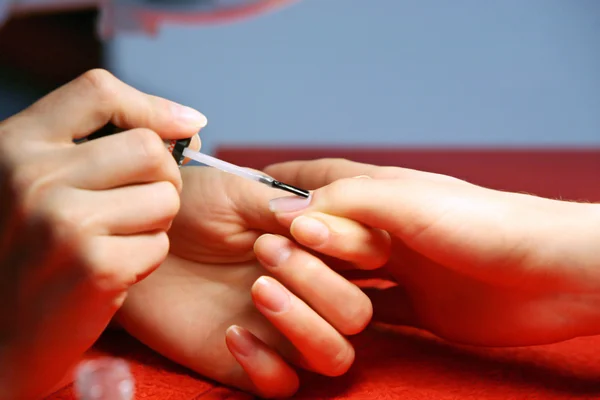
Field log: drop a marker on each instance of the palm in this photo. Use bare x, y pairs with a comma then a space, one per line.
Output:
184, 308
463, 309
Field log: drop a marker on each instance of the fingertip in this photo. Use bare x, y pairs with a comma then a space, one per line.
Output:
270, 375
342, 363
271, 297
271, 250
188, 118
360, 317
195, 145
310, 231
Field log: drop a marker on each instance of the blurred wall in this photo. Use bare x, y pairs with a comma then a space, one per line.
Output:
385, 72
40, 52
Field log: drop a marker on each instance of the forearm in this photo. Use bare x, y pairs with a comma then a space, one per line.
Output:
568, 242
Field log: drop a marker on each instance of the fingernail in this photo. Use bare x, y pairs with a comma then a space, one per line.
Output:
289, 204
195, 145
240, 340
189, 116
274, 250
271, 295
309, 231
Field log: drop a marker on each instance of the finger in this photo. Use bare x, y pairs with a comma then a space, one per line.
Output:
271, 376
342, 238
429, 218
124, 211
131, 157
337, 300
196, 145
404, 208
244, 202
315, 174
96, 98
136, 209
133, 209
115, 263
323, 349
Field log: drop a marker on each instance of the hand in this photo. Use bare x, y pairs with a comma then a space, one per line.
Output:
470, 264
208, 308
80, 223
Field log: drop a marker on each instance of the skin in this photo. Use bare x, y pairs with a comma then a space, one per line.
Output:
469, 264
80, 223
212, 306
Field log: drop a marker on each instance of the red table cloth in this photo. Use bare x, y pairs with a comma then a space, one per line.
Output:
408, 364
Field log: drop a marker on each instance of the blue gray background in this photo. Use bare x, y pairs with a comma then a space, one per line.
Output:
507, 73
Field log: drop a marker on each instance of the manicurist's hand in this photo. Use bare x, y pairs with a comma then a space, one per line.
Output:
80, 223
470, 264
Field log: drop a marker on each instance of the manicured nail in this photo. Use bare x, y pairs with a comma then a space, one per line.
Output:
309, 231
273, 250
240, 341
189, 116
289, 204
271, 295
195, 145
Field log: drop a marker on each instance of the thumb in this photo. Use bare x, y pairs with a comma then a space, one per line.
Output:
404, 207
467, 228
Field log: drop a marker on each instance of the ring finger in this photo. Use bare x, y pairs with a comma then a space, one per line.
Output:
122, 211
336, 299
320, 347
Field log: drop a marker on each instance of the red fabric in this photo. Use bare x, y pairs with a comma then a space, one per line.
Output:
396, 365
408, 364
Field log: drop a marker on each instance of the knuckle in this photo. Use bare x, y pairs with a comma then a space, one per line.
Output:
342, 187
101, 82
148, 143
147, 150
108, 278
65, 217
25, 177
34, 185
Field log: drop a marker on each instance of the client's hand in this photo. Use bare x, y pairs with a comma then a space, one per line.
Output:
472, 265
210, 282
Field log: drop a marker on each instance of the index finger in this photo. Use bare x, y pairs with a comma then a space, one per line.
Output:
315, 174
96, 98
